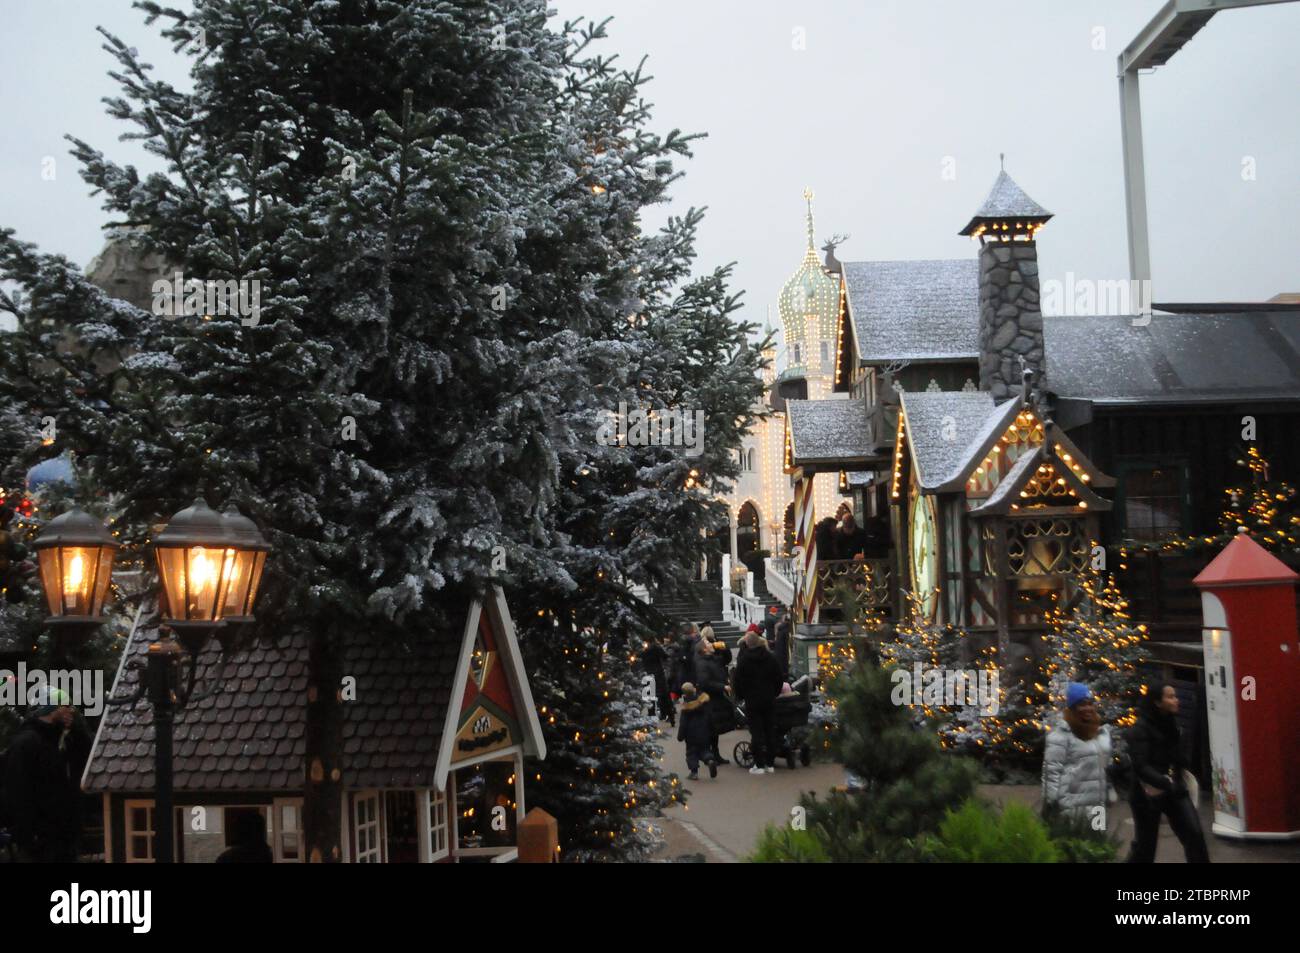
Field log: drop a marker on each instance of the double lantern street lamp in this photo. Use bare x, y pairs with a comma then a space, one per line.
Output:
209, 564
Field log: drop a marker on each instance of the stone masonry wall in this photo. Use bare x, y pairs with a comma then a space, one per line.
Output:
1011, 325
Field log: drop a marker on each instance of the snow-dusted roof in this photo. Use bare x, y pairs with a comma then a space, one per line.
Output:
941, 425
914, 310
1006, 200
1176, 358
828, 430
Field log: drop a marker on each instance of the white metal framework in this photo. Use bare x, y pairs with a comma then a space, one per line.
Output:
1169, 30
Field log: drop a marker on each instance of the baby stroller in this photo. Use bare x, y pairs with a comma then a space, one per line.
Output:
791, 717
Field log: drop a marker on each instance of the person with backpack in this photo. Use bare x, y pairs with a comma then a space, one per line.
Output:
42, 780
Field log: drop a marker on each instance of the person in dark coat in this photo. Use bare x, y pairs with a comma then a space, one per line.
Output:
849, 539
247, 840
697, 731
683, 662
711, 679
43, 780
781, 646
655, 659
1159, 788
758, 683
824, 533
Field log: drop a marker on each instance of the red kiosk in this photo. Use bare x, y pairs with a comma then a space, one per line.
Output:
1252, 683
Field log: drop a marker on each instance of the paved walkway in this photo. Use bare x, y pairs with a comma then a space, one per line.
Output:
723, 818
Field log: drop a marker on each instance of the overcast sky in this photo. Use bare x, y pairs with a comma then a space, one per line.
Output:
866, 101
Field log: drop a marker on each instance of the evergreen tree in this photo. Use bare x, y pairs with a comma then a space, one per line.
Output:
908, 782
1265, 507
1094, 641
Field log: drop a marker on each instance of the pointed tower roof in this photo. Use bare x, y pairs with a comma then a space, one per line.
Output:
1007, 205
809, 297
1244, 562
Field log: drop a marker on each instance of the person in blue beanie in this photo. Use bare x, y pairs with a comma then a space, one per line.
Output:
1076, 761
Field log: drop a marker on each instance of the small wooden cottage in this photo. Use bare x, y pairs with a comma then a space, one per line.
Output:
434, 738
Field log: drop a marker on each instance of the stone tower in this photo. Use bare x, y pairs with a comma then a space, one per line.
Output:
1011, 324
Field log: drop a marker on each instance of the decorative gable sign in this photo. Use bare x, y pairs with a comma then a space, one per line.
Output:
487, 716
491, 709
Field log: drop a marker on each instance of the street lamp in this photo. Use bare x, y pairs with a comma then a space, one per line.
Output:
210, 565
75, 554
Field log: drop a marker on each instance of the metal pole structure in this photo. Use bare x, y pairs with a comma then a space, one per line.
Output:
1163, 36
1135, 185
160, 675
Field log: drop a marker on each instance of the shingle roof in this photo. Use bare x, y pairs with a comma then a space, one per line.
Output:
940, 427
1006, 200
249, 733
1176, 358
914, 310
828, 430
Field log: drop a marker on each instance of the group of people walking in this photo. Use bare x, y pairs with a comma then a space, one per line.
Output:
697, 692
1078, 765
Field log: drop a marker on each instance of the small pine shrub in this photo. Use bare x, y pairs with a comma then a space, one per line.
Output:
975, 834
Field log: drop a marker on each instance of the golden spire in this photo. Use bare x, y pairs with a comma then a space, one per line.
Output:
808, 197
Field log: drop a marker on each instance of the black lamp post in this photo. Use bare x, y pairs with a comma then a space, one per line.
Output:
210, 565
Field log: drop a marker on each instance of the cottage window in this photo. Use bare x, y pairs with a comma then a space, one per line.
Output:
438, 828
1153, 505
287, 827
141, 839
366, 844
486, 808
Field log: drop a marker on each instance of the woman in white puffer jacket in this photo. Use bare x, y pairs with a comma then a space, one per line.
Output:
1075, 761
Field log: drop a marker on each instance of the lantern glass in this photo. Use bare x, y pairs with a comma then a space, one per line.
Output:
191, 577
236, 583
75, 579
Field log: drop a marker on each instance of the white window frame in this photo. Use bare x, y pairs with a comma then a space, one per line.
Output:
502, 854
276, 831
435, 832
372, 854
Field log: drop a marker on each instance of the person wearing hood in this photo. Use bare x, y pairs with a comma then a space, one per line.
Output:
1076, 759
711, 679
758, 683
42, 781
1159, 783
697, 731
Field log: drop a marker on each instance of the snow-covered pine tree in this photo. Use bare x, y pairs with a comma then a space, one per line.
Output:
627, 514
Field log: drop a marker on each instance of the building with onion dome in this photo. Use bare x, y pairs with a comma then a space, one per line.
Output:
802, 367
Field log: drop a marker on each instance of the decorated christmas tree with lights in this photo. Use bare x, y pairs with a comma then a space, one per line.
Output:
1268, 508
1094, 641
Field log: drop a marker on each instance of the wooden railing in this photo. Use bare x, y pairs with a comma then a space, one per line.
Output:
871, 581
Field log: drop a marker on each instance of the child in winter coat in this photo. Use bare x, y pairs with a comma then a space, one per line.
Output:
697, 731
1078, 753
